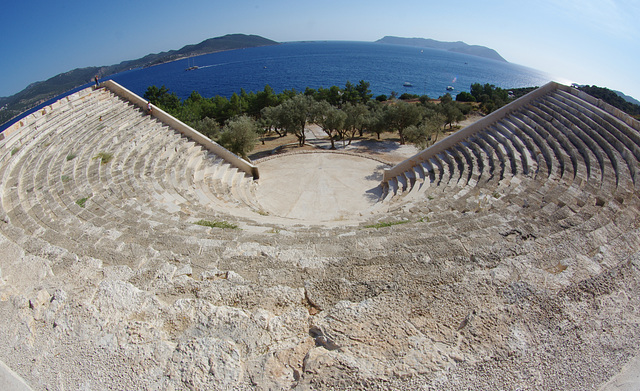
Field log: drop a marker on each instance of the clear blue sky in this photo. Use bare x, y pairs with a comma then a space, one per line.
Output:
584, 41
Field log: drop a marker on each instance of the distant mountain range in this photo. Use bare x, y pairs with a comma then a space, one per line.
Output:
39, 92
458, 47
627, 98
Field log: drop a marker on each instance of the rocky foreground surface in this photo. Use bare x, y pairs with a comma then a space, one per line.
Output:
476, 276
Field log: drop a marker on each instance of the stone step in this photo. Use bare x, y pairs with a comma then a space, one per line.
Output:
618, 147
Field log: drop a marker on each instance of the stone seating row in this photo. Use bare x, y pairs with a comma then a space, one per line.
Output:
156, 178
555, 133
564, 179
151, 165
575, 224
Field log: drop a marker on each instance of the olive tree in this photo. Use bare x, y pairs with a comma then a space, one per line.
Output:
239, 135
357, 115
207, 126
331, 120
295, 113
450, 110
272, 120
425, 134
401, 115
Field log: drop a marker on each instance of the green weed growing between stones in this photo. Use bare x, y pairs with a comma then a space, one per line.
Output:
216, 224
82, 201
104, 157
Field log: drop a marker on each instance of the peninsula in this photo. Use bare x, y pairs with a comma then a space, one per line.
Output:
41, 91
458, 47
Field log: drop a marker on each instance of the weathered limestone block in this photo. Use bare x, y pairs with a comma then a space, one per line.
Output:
223, 347
39, 303
208, 363
319, 360
118, 272
322, 294
279, 369
117, 301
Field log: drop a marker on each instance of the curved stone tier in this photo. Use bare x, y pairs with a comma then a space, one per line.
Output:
555, 138
505, 257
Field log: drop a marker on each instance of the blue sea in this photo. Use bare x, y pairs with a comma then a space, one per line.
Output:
299, 65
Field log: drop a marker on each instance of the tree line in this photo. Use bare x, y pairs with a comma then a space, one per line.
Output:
612, 98
490, 98
238, 123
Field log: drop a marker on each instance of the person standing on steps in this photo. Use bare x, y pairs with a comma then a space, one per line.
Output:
149, 109
95, 78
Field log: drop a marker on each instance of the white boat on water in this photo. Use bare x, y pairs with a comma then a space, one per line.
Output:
449, 88
407, 84
191, 67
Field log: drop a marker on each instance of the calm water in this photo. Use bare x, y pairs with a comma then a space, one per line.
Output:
323, 64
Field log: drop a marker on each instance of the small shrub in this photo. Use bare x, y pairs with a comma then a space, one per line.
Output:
104, 157
407, 96
464, 96
14, 151
65, 178
71, 156
216, 224
82, 201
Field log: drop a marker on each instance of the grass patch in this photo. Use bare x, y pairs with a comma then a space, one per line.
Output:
82, 201
216, 224
65, 178
14, 151
387, 224
105, 157
71, 156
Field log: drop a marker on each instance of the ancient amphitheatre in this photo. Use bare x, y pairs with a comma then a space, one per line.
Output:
504, 257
